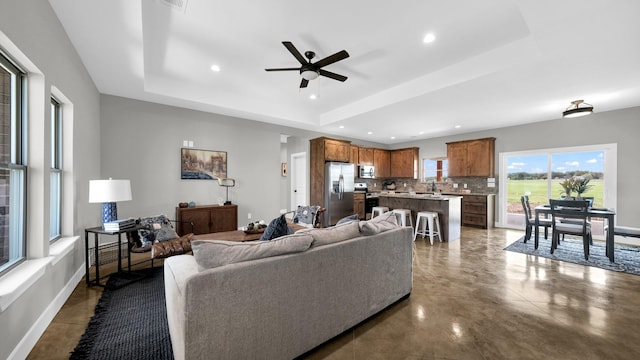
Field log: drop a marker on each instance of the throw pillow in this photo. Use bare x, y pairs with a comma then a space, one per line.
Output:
277, 228
306, 215
348, 218
212, 253
168, 248
157, 228
378, 224
340, 232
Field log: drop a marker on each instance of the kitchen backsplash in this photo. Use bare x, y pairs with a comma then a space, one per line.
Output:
476, 185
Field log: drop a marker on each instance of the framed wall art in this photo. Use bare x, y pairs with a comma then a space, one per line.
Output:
198, 164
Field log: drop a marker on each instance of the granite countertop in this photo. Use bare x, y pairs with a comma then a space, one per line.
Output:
407, 195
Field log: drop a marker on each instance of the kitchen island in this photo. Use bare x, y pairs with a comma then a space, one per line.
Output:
448, 208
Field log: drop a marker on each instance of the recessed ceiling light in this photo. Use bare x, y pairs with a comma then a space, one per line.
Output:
313, 96
370, 132
457, 126
215, 68
341, 126
429, 38
393, 137
421, 132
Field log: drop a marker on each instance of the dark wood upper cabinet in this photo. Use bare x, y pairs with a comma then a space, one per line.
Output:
365, 156
404, 163
472, 157
382, 163
354, 158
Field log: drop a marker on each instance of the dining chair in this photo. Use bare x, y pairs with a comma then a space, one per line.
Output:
530, 221
570, 217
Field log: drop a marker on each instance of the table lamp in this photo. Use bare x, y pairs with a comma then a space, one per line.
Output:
227, 183
108, 192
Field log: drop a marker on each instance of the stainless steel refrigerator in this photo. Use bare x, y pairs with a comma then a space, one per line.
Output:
338, 196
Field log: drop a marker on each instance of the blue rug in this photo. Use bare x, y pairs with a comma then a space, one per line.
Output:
627, 258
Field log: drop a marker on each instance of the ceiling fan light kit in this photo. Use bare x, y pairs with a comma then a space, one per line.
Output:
577, 108
310, 71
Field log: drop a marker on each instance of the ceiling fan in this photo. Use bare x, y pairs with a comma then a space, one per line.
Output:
310, 71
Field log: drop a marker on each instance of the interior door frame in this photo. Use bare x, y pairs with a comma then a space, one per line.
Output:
293, 172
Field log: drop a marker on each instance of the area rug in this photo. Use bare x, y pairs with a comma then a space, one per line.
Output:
130, 322
627, 258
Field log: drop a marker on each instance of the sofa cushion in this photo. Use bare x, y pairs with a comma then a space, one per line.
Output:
213, 253
381, 223
277, 227
340, 232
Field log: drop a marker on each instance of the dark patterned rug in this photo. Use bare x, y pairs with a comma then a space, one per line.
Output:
627, 258
130, 321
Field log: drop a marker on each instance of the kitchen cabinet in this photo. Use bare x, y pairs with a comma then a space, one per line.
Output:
365, 155
478, 210
404, 163
354, 158
382, 163
207, 219
472, 157
321, 150
358, 205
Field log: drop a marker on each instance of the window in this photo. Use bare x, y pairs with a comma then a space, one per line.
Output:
538, 174
434, 170
12, 167
55, 203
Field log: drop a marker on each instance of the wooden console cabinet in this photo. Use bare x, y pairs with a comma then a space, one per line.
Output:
478, 210
472, 157
207, 219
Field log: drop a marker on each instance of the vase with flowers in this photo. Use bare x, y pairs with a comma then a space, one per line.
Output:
581, 186
568, 186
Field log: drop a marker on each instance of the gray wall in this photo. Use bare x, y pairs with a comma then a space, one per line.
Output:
621, 127
34, 29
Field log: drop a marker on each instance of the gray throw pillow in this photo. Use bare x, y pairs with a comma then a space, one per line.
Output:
348, 218
340, 232
157, 228
213, 253
381, 223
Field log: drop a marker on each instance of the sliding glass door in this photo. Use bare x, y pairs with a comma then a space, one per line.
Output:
538, 174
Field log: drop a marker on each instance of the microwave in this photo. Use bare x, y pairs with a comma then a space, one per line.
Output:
366, 172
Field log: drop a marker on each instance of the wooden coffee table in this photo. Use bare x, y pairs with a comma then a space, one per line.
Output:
236, 235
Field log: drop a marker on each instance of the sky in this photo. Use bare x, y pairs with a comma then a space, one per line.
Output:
561, 162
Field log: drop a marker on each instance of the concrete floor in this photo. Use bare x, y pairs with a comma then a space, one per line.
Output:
470, 300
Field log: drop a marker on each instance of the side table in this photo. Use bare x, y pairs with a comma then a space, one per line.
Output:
96, 231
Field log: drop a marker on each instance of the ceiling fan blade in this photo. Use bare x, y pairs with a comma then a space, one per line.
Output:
283, 69
292, 49
331, 59
334, 76
303, 83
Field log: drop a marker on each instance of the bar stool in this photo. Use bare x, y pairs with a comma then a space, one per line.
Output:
427, 217
378, 209
402, 215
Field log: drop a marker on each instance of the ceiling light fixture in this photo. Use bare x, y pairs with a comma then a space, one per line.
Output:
313, 96
578, 108
309, 74
429, 38
215, 68
370, 132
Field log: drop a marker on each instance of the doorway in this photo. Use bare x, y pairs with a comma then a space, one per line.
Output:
298, 171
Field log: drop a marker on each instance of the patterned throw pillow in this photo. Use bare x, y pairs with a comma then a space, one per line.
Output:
277, 228
157, 228
348, 218
306, 215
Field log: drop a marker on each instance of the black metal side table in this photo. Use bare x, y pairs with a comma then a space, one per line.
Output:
96, 231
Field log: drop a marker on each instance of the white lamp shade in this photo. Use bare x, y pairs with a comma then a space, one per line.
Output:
106, 191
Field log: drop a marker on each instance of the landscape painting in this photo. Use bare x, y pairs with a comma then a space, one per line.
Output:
203, 164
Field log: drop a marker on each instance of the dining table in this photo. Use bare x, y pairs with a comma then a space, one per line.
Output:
604, 213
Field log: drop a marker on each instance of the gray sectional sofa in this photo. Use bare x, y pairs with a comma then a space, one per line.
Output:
253, 303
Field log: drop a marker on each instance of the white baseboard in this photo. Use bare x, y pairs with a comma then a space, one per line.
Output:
27, 343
